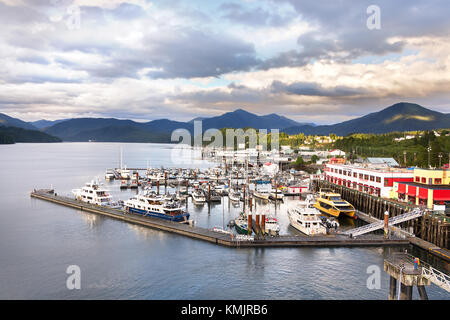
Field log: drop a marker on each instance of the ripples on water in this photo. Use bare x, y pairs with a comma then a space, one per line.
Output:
38, 240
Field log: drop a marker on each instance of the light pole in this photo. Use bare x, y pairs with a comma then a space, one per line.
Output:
404, 157
440, 158
429, 150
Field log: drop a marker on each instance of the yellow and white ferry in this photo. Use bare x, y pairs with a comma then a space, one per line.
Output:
331, 203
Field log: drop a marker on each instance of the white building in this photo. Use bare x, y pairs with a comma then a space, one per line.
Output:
372, 180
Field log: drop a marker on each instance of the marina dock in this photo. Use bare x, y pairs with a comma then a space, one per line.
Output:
217, 237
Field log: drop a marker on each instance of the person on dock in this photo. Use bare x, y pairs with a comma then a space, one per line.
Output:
416, 263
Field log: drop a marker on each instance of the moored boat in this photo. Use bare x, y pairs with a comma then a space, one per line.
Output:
331, 203
306, 218
94, 193
151, 204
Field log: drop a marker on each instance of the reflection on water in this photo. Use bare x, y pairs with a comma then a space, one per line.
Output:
38, 240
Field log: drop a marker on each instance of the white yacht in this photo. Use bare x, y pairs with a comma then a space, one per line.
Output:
151, 204
198, 197
306, 218
93, 193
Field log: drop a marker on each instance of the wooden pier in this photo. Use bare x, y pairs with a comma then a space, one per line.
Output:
217, 237
427, 232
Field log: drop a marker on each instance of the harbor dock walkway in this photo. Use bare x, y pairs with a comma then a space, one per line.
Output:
221, 238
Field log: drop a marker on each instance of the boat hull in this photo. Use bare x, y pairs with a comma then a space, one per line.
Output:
177, 218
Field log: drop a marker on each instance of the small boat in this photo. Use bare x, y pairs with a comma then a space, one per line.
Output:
214, 197
261, 194
272, 227
125, 173
276, 195
234, 195
332, 204
241, 224
198, 197
134, 184
109, 175
306, 218
124, 184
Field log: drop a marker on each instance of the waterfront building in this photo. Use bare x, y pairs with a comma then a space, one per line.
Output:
430, 187
373, 180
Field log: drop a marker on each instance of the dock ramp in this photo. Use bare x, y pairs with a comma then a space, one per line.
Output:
413, 214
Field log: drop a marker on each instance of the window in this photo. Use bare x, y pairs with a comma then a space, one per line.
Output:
379, 179
360, 175
355, 175
366, 177
340, 171
437, 181
417, 179
424, 180
372, 178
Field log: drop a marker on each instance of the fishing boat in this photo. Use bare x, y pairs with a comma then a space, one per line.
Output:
306, 218
153, 205
198, 197
241, 224
93, 193
332, 204
272, 227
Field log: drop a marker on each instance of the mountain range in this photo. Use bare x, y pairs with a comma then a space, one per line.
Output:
398, 117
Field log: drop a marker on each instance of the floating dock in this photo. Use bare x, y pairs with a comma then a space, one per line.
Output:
217, 237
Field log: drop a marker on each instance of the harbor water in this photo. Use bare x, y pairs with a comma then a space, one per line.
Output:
39, 240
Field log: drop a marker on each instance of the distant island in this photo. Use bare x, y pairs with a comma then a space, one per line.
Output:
11, 135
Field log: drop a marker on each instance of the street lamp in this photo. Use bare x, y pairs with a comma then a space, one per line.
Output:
440, 158
429, 150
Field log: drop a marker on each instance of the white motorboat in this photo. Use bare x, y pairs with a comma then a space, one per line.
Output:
198, 197
234, 195
306, 218
93, 193
262, 194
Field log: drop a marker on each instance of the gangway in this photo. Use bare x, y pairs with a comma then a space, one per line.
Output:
413, 214
437, 277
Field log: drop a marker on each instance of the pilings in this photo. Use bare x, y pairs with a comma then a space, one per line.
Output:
404, 273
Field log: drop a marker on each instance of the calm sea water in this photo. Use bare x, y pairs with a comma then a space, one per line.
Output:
39, 240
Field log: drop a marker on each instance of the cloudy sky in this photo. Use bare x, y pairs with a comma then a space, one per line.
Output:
308, 60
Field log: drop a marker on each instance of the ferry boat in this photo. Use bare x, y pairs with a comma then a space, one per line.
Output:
241, 224
198, 197
93, 193
331, 203
272, 227
153, 205
306, 218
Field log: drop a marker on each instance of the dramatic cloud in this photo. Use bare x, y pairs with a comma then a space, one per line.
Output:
181, 59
